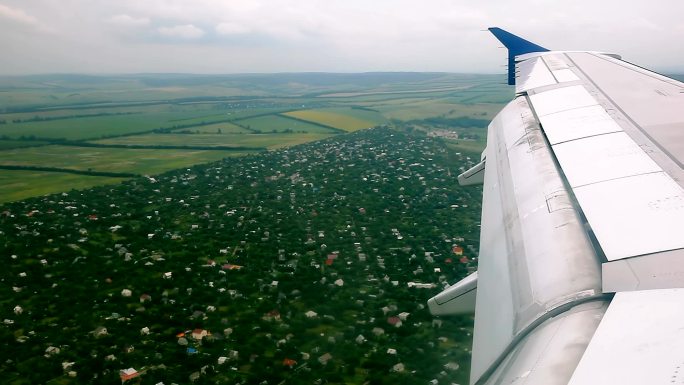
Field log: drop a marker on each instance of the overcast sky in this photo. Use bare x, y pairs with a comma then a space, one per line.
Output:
236, 36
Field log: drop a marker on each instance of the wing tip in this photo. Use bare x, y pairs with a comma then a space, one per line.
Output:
516, 45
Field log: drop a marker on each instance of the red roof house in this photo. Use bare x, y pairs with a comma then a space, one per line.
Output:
128, 374
289, 362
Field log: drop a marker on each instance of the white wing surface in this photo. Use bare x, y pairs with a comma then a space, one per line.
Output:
583, 198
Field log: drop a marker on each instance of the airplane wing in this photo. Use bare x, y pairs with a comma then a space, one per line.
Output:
581, 266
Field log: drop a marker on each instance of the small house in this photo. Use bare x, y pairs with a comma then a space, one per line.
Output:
325, 358
394, 321
311, 314
289, 362
128, 374
198, 334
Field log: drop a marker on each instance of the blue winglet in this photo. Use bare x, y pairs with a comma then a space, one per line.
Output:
516, 46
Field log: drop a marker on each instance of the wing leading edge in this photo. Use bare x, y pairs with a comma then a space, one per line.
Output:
582, 198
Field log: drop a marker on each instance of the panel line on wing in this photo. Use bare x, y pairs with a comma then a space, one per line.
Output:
636, 215
595, 244
633, 67
613, 177
561, 99
533, 74
602, 158
565, 75
616, 178
584, 137
577, 123
643, 131
548, 69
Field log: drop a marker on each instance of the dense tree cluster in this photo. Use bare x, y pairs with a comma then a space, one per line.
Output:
306, 265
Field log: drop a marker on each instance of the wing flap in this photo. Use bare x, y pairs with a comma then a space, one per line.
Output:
601, 158
640, 340
535, 255
578, 123
633, 216
549, 353
561, 99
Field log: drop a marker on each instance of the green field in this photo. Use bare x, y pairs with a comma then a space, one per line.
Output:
246, 140
439, 107
233, 112
277, 123
110, 159
91, 127
472, 146
393, 92
78, 90
343, 119
17, 185
75, 112
215, 128
123, 121
204, 118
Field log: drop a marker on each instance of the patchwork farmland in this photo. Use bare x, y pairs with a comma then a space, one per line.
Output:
59, 133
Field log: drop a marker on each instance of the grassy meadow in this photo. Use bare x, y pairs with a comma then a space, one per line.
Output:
278, 123
138, 161
149, 124
215, 128
18, 184
346, 119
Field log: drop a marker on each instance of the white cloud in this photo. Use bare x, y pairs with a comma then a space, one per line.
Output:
19, 16
186, 31
129, 21
331, 35
231, 29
